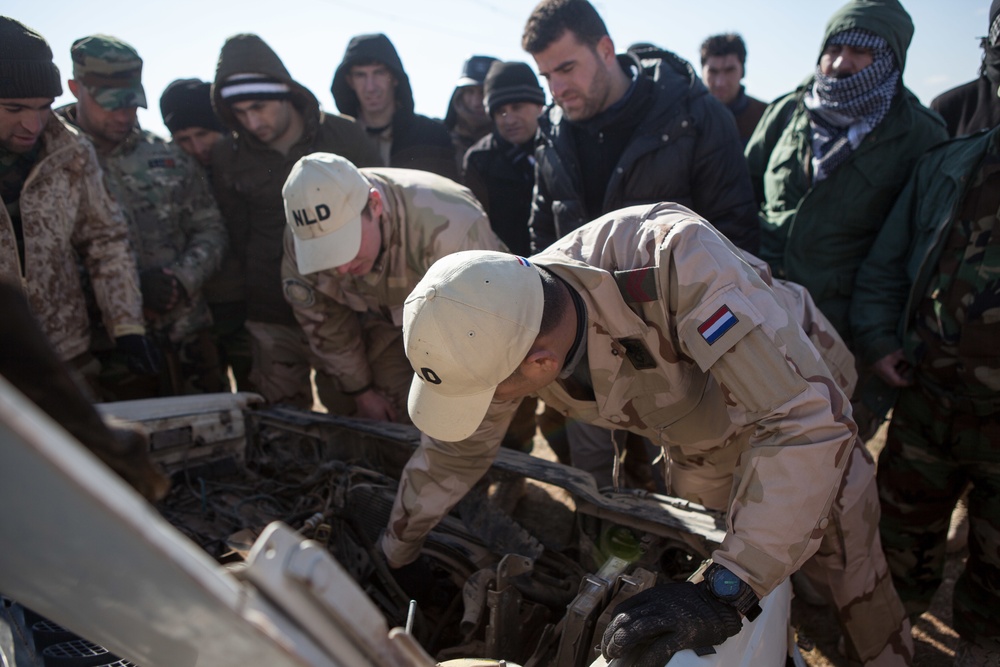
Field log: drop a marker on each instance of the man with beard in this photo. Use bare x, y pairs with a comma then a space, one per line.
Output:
56, 211
175, 228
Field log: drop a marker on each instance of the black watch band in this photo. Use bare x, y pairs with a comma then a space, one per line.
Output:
728, 588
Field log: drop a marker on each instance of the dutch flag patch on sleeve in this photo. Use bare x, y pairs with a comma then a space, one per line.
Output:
719, 323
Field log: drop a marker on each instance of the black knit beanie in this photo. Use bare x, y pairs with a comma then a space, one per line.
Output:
26, 67
508, 82
188, 103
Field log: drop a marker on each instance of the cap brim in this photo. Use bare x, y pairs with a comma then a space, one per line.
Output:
446, 418
330, 250
467, 81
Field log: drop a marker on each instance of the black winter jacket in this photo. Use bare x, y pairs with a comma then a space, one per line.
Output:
686, 150
418, 142
502, 176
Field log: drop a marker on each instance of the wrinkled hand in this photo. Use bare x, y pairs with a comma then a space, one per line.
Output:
373, 405
894, 369
141, 354
161, 290
660, 621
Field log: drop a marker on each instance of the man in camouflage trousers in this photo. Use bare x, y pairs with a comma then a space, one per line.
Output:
54, 209
357, 243
176, 231
648, 320
926, 313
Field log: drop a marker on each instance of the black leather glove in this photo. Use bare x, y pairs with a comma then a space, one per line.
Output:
140, 352
660, 621
161, 291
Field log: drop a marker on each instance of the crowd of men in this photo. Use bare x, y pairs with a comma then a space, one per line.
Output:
654, 261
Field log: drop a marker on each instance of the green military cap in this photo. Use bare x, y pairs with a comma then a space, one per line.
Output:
110, 70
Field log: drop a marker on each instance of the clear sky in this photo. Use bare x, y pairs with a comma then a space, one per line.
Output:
182, 38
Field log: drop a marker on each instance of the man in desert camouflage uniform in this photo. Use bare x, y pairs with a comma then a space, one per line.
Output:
648, 320
54, 207
357, 243
926, 314
175, 228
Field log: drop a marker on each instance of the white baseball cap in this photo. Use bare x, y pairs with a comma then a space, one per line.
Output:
467, 325
324, 196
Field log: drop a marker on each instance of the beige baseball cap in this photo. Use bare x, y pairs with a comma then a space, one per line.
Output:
324, 196
467, 325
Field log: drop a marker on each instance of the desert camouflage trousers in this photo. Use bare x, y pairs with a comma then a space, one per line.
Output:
936, 447
849, 569
282, 360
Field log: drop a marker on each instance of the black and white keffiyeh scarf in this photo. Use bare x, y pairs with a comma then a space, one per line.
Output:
843, 111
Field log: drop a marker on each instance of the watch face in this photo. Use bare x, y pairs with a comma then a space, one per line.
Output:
725, 584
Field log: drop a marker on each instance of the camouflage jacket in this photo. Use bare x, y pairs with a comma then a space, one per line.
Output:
66, 212
696, 353
173, 220
900, 270
425, 218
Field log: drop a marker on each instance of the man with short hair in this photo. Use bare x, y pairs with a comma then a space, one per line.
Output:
371, 85
974, 106
186, 106
648, 321
635, 128
466, 117
628, 129
175, 228
274, 121
723, 66
500, 168
358, 241
55, 209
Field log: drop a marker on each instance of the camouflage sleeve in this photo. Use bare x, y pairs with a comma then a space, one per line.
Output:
479, 236
207, 239
101, 240
333, 329
730, 323
437, 476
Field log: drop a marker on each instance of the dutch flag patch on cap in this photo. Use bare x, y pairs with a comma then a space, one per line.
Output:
719, 323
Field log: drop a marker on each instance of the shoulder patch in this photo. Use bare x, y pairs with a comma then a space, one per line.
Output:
298, 293
637, 285
717, 324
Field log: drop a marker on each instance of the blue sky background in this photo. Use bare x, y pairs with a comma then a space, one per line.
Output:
182, 38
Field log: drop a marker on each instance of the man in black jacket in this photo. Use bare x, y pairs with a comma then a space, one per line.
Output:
642, 122
371, 85
500, 167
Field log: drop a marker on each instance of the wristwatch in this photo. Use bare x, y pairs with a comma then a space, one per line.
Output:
732, 590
